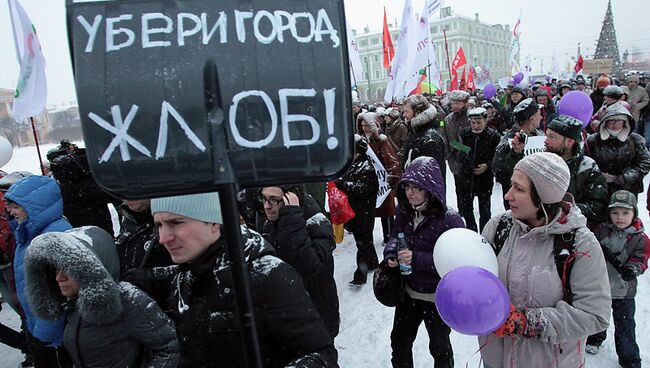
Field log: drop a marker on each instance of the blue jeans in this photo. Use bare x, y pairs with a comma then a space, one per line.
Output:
645, 125
624, 335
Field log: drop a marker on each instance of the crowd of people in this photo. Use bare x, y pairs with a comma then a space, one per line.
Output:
158, 291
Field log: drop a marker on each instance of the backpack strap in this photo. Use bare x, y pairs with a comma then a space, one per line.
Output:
502, 232
564, 253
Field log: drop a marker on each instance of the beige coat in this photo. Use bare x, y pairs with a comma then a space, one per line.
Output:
527, 269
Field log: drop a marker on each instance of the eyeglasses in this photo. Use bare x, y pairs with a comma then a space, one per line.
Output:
412, 187
274, 201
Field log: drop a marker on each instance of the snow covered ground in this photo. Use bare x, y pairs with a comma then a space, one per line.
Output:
364, 339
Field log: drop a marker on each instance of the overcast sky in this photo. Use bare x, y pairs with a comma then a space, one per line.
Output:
551, 27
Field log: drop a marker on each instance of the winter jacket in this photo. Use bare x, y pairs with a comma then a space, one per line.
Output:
548, 114
597, 98
505, 158
625, 250
454, 123
289, 329
360, 184
7, 250
397, 134
303, 237
424, 173
528, 271
137, 234
483, 147
589, 188
424, 140
637, 98
40, 197
384, 151
629, 159
111, 322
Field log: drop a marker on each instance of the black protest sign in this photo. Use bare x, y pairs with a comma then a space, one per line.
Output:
177, 96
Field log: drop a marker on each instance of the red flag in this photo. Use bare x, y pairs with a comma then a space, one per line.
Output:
579, 64
470, 79
454, 81
459, 59
389, 50
462, 86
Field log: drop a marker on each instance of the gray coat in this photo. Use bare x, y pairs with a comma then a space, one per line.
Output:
454, 123
527, 269
110, 323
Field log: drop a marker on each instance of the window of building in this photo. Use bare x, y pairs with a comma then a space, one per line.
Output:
376, 74
434, 29
375, 58
374, 40
365, 75
365, 60
364, 43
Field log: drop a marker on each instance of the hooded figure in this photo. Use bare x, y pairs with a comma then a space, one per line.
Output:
619, 153
422, 216
108, 323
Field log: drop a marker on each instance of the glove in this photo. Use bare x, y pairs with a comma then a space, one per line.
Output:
628, 274
518, 324
611, 258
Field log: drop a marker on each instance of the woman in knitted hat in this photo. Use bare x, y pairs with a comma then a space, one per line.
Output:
511, 148
551, 315
620, 154
597, 96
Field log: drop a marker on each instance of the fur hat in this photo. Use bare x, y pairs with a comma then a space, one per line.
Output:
567, 126
603, 81
525, 109
549, 174
204, 207
459, 96
613, 91
623, 199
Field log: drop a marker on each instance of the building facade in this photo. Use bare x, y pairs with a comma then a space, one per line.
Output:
482, 43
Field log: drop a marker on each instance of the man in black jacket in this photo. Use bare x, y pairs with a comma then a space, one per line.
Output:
302, 236
290, 331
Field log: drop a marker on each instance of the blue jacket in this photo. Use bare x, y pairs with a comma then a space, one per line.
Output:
40, 197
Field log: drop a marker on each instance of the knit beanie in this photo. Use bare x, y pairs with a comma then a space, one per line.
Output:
567, 126
603, 81
623, 199
549, 174
204, 207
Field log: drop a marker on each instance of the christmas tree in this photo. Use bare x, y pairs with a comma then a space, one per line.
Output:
607, 47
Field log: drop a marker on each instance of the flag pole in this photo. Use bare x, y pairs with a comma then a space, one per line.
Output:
444, 32
38, 148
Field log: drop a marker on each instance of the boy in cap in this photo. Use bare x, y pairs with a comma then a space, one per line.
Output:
290, 331
626, 248
588, 184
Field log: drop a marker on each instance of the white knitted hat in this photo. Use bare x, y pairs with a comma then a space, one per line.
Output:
204, 207
549, 173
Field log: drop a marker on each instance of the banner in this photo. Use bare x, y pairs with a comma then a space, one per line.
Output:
533, 145
356, 68
598, 66
31, 90
515, 45
382, 176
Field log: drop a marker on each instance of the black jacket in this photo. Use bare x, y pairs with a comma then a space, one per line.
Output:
505, 158
361, 186
483, 147
303, 237
289, 329
424, 139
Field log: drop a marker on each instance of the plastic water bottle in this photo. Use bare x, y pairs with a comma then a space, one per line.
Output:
404, 269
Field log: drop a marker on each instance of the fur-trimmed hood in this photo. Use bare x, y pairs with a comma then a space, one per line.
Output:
87, 255
425, 118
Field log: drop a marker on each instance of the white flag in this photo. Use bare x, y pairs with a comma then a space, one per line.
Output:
401, 53
425, 50
31, 91
356, 70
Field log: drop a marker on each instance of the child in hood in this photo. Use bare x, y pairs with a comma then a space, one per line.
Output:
626, 248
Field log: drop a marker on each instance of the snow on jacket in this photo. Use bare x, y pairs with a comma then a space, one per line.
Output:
454, 123
629, 159
630, 248
40, 197
424, 173
397, 134
483, 146
111, 322
303, 237
424, 140
637, 98
505, 158
360, 184
527, 269
588, 187
289, 329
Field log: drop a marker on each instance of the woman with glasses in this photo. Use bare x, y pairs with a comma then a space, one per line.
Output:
422, 216
620, 154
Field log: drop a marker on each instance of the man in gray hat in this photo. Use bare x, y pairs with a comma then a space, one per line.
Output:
454, 123
588, 184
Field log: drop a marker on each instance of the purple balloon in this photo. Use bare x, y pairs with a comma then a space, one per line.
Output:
577, 104
489, 91
472, 301
517, 78
548, 78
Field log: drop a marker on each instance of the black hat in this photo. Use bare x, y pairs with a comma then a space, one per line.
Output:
567, 126
519, 90
388, 285
541, 92
525, 109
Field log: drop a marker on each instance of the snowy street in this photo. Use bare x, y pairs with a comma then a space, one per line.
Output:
364, 338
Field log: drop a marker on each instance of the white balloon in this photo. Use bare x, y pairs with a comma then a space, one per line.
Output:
6, 151
463, 247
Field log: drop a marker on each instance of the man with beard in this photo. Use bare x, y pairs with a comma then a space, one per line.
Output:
588, 185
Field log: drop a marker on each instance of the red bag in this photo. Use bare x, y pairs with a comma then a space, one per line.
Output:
340, 210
